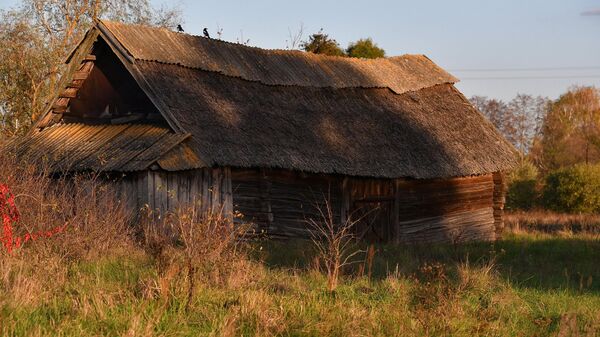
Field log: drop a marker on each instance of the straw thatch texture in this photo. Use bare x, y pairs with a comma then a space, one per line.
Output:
247, 107
277, 67
434, 132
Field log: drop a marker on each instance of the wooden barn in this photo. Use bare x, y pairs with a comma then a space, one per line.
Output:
272, 134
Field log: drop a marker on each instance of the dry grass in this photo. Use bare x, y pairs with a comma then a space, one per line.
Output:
207, 243
96, 279
546, 221
95, 223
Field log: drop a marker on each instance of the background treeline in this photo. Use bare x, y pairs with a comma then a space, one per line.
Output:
559, 145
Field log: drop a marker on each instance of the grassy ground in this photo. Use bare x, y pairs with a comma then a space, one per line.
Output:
524, 285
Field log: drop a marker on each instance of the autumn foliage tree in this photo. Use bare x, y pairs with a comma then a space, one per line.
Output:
571, 130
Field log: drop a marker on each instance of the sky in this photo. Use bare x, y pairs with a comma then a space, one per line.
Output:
496, 48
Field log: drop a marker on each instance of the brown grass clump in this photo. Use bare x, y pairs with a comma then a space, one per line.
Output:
334, 242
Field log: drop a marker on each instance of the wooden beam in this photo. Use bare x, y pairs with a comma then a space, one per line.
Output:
59, 110
75, 84
128, 118
59, 107
68, 93
80, 75
56, 117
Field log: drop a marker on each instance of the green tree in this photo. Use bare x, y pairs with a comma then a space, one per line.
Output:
522, 186
575, 189
321, 43
37, 35
365, 48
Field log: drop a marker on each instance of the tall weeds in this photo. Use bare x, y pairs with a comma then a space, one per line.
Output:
334, 242
93, 224
201, 243
94, 221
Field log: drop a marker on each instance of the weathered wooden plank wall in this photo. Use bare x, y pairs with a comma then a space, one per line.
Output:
372, 205
163, 192
458, 209
281, 203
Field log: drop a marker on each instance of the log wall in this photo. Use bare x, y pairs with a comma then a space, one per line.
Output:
458, 209
499, 200
281, 203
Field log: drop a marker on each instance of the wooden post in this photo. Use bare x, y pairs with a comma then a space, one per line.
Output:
499, 200
265, 199
396, 211
226, 194
345, 206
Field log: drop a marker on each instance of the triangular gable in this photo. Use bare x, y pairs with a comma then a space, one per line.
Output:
80, 66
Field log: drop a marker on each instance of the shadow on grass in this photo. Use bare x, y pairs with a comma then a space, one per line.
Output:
532, 261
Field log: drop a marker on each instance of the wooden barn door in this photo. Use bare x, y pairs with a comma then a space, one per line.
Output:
372, 206
373, 220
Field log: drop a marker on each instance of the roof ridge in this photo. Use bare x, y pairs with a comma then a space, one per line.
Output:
237, 44
403, 73
287, 85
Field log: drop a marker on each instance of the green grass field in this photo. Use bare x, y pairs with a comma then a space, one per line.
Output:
523, 285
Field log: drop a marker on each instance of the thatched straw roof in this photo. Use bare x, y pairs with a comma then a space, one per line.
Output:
250, 107
433, 132
277, 67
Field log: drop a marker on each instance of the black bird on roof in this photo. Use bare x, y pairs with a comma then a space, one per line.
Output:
179, 28
205, 32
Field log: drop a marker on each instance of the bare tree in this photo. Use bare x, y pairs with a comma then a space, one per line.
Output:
526, 112
334, 243
494, 110
295, 38
519, 120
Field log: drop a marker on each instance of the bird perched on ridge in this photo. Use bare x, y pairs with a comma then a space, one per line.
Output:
205, 32
179, 28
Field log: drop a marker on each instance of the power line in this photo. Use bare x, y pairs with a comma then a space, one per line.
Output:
528, 77
524, 69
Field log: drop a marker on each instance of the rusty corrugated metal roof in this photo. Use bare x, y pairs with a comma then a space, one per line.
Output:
121, 148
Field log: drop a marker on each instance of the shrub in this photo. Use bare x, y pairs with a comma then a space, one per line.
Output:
205, 244
522, 187
522, 195
82, 208
574, 189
